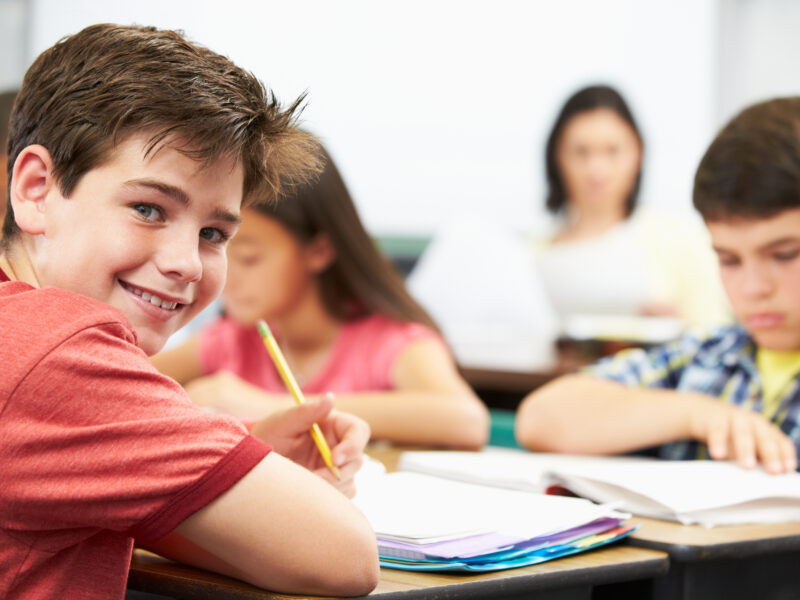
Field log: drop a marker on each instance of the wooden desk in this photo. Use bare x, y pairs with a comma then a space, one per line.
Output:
618, 571
578, 577
733, 562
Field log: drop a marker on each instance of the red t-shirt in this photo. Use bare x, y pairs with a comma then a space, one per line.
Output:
96, 447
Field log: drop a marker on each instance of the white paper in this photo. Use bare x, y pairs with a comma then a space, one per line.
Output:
705, 492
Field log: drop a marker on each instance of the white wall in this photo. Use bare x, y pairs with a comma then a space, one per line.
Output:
759, 49
13, 41
438, 108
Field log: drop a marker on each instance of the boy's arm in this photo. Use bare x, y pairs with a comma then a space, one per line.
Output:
587, 415
284, 529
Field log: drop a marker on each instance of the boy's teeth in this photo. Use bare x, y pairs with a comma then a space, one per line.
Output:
153, 299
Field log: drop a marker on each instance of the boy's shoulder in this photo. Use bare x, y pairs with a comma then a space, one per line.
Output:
49, 315
719, 345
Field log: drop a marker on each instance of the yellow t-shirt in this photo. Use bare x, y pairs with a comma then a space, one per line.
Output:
778, 370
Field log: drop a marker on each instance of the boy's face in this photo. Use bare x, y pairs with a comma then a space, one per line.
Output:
760, 267
145, 235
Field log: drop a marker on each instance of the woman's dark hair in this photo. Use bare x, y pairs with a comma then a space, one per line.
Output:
360, 280
752, 168
589, 98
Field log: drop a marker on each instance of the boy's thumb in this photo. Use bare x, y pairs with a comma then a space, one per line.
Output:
315, 410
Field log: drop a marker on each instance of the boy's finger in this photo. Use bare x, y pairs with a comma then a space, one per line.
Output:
788, 453
768, 450
744, 443
718, 437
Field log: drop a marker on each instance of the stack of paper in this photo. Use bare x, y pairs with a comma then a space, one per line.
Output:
429, 523
705, 492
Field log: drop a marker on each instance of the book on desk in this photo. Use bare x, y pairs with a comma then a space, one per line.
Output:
703, 492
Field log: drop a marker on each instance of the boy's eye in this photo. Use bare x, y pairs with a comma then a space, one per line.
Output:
728, 261
149, 212
786, 256
213, 235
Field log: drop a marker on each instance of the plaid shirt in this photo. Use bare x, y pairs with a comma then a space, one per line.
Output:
720, 363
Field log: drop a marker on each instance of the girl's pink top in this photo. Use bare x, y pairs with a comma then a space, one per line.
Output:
361, 358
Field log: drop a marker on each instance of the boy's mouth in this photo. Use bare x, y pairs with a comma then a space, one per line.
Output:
764, 320
150, 297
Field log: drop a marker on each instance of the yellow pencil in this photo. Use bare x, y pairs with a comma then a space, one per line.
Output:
283, 368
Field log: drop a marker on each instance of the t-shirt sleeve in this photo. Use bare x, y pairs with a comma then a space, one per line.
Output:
389, 343
101, 440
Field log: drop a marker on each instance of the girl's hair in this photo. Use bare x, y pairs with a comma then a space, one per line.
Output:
360, 280
589, 98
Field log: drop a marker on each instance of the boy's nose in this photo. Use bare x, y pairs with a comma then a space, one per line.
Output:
180, 259
757, 281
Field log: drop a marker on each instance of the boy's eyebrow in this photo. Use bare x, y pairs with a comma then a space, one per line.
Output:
780, 242
179, 195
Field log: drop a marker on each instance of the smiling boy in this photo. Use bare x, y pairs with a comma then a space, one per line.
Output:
733, 393
131, 153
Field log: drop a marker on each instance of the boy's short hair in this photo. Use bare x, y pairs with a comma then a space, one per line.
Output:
752, 168
6, 102
92, 89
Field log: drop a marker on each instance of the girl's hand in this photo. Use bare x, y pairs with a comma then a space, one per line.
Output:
347, 435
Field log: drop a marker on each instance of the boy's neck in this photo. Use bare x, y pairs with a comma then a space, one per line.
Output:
16, 264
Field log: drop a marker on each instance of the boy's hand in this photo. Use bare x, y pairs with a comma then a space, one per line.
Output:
347, 435
747, 437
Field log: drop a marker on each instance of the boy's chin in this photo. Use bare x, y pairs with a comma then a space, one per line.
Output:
152, 344
777, 342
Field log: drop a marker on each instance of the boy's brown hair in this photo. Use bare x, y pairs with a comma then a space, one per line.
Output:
92, 89
752, 168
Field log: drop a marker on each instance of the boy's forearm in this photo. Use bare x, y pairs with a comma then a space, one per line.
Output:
587, 415
330, 548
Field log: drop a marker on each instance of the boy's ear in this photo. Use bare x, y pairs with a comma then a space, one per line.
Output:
320, 253
31, 181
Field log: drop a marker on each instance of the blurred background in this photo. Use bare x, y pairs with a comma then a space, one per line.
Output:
435, 109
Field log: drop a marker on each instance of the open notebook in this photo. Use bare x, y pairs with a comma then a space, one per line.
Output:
704, 492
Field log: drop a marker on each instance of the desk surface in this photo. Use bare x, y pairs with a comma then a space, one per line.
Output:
151, 573
697, 543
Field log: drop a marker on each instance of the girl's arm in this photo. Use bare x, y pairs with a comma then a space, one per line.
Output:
221, 391
430, 404
182, 363
582, 414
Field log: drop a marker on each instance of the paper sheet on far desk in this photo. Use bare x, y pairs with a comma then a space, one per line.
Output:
422, 509
705, 492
